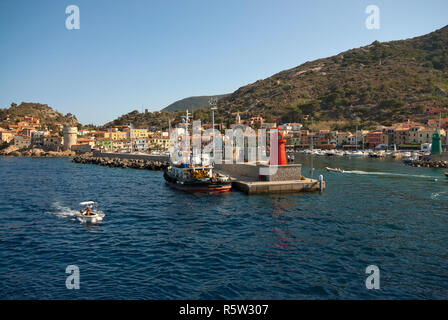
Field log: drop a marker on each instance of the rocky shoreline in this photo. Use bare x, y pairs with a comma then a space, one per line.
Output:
427, 163
35, 153
121, 163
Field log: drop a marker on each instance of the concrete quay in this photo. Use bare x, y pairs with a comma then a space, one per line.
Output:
267, 187
251, 178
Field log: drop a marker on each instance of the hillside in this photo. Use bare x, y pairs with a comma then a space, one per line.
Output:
373, 83
192, 103
46, 115
155, 120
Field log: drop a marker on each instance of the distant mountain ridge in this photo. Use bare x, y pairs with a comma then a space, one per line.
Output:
192, 103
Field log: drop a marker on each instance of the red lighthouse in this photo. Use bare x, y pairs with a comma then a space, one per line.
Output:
281, 151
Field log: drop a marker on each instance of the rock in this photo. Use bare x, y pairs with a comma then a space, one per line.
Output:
9, 150
37, 152
139, 164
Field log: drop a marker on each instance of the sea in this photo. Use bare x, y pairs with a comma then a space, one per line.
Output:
160, 243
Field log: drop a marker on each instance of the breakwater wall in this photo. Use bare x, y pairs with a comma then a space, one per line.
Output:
150, 157
427, 163
116, 162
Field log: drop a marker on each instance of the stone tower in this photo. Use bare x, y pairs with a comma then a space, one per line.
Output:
70, 137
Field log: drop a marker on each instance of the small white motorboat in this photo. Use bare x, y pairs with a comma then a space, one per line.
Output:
335, 170
357, 154
90, 213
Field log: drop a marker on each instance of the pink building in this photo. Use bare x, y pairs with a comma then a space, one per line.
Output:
374, 138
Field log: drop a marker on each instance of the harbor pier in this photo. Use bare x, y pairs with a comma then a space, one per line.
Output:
249, 178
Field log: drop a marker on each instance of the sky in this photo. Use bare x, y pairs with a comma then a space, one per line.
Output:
135, 54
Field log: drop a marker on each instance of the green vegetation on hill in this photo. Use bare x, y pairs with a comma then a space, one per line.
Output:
154, 120
192, 103
373, 84
47, 116
158, 120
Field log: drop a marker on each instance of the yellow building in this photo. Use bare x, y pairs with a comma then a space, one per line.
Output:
101, 134
159, 143
425, 135
6, 136
119, 135
138, 133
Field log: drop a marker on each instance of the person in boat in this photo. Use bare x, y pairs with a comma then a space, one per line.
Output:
87, 212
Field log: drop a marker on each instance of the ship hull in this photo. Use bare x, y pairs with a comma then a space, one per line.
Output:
198, 187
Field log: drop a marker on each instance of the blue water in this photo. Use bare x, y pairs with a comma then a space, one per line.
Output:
158, 243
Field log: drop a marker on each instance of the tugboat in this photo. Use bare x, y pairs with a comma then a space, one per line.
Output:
195, 175
196, 179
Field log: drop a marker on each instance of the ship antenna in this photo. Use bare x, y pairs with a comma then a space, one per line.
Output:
213, 106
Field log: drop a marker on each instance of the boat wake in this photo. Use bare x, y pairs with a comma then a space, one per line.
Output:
61, 211
436, 195
391, 174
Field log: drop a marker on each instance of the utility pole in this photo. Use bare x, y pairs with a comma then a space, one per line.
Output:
312, 134
130, 136
312, 148
169, 126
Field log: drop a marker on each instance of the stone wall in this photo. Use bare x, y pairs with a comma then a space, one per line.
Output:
252, 171
285, 173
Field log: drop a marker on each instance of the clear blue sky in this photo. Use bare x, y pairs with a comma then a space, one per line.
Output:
134, 53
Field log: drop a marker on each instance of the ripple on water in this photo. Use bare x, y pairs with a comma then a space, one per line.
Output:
157, 243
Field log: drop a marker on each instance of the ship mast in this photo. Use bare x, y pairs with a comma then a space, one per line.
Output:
187, 119
213, 106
